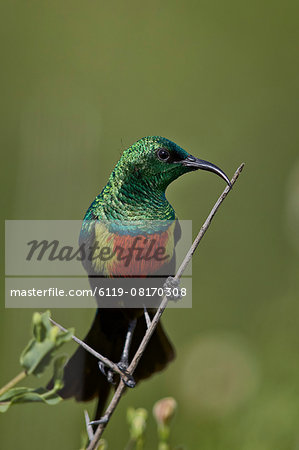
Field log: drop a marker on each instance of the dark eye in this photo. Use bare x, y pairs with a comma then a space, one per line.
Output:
163, 154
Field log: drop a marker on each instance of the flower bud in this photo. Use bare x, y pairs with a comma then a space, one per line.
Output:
164, 410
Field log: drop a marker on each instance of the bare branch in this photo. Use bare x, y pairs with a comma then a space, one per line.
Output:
102, 358
121, 387
88, 425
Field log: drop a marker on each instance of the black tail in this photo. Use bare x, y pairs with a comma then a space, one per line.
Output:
82, 377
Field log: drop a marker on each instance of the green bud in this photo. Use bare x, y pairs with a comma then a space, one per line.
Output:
137, 421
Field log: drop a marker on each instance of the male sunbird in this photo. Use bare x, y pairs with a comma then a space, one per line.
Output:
132, 204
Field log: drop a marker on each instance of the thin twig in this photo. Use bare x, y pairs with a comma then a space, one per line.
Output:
13, 382
88, 426
121, 387
102, 358
146, 317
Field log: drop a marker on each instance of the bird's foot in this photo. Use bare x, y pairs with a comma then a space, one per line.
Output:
123, 366
172, 289
106, 372
110, 375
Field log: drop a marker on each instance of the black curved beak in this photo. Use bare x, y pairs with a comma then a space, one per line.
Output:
195, 163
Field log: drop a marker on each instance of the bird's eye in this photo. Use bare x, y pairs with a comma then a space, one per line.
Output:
163, 154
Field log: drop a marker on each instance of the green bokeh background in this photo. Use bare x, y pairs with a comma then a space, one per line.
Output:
81, 81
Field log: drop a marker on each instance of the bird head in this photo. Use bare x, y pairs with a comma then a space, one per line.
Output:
161, 161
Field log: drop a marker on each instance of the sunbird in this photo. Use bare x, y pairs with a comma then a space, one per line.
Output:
133, 196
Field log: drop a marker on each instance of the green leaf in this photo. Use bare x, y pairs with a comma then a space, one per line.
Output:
29, 395
47, 339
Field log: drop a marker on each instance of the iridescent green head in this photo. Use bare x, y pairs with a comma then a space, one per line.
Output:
136, 187
157, 160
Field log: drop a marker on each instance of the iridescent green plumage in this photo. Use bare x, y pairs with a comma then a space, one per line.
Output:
136, 187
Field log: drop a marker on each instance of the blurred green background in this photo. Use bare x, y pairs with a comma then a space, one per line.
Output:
81, 81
